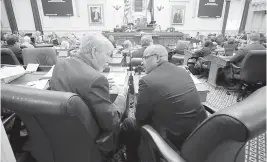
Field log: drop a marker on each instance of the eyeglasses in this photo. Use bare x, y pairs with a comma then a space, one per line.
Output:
146, 57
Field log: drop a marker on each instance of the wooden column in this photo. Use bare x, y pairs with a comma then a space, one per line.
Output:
225, 18
244, 16
11, 16
36, 16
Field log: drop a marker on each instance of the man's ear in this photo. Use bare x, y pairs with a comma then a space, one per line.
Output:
93, 53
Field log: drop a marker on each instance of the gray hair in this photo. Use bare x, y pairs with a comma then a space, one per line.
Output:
146, 40
127, 44
26, 39
159, 50
90, 41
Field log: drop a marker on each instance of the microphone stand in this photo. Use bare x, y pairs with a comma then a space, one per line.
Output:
131, 82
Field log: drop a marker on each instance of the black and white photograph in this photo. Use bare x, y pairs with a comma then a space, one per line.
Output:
178, 15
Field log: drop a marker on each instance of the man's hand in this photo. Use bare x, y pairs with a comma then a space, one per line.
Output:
123, 90
111, 83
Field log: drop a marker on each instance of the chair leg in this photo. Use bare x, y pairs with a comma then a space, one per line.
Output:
242, 93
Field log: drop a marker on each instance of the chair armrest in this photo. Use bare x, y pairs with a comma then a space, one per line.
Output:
149, 134
234, 66
104, 137
208, 108
8, 119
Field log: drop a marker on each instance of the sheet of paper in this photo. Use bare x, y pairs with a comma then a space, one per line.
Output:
118, 69
63, 53
118, 78
49, 74
9, 74
195, 80
32, 67
39, 84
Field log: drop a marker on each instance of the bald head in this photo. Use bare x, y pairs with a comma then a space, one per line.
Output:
154, 56
157, 49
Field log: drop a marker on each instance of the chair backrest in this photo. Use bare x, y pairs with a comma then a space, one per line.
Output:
222, 137
8, 57
229, 49
182, 45
60, 126
42, 56
253, 69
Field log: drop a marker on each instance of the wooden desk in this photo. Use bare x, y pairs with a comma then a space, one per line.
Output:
201, 88
188, 54
24, 79
163, 38
43, 45
216, 63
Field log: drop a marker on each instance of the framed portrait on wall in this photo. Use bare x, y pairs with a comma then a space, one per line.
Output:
96, 14
177, 15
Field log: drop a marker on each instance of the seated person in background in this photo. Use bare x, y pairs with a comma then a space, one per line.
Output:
127, 45
197, 65
167, 100
38, 37
145, 42
64, 43
27, 42
13, 45
262, 38
230, 45
253, 44
81, 74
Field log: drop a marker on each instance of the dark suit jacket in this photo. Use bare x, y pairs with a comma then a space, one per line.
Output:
168, 100
74, 75
238, 58
139, 53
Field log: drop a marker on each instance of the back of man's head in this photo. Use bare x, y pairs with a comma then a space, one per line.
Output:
11, 39
255, 37
90, 41
157, 49
146, 41
27, 39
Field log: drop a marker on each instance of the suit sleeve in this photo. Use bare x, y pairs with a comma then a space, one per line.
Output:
106, 113
143, 108
239, 56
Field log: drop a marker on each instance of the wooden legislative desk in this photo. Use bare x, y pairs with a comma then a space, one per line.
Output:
217, 62
163, 38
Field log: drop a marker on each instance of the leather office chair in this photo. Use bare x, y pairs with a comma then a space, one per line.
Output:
253, 72
8, 57
178, 57
41, 56
221, 137
61, 127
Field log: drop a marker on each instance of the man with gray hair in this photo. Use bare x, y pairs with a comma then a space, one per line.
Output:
145, 42
81, 74
167, 100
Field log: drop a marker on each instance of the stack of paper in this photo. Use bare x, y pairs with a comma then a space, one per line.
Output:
118, 78
32, 67
49, 74
8, 74
39, 84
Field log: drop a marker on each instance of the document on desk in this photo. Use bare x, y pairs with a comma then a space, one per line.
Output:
32, 67
49, 74
118, 78
195, 80
8, 74
39, 84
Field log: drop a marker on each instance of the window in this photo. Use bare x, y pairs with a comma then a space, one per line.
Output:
138, 5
